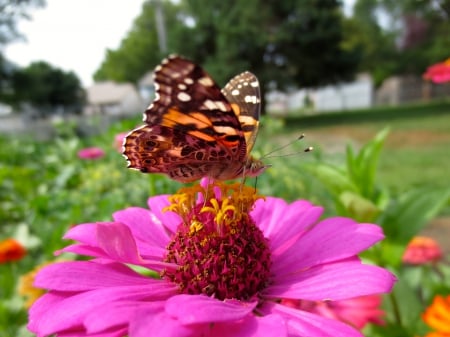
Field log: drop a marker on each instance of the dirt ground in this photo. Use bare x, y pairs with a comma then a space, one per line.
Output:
336, 138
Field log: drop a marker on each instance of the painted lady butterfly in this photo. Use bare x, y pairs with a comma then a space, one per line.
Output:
193, 129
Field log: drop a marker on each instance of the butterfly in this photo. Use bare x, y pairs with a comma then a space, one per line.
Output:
193, 129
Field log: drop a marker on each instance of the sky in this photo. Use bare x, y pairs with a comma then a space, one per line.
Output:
74, 34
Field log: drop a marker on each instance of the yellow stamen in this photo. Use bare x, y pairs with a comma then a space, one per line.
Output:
195, 227
235, 201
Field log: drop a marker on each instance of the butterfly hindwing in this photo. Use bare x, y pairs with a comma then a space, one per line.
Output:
243, 93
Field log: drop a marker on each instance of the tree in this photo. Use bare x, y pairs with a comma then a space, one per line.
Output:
399, 37
376, 44
284, 42
10, 12
47, 88
139, 51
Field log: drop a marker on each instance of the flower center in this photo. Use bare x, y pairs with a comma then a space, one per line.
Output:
218, 248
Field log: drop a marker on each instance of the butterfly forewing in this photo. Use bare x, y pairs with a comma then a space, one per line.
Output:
189, 99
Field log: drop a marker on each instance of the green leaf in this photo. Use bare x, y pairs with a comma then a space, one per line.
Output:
404, 306
407, 215
362, 168
334, 178
358, 207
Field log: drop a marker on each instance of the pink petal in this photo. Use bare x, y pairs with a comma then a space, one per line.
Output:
153, 321
84, 233
283, 223
195, 309
54, 312
81, 249
266, 212
145, 226
119, 315
89, 275
251, 325
41, 307
169, 219
304, 324
330, 240
116, 333
333, 281
118, 243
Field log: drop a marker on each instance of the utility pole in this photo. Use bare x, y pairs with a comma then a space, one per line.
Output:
160, 26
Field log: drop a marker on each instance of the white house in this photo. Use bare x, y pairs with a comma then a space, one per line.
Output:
344, 96
110, 98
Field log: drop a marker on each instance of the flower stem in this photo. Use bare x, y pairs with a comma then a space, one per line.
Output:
395, 308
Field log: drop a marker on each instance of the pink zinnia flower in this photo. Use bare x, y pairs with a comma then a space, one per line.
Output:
214, 267
439, 72
91, 153
118, 141
357, 311
421, 250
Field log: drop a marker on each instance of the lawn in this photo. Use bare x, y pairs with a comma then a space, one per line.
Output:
416, 153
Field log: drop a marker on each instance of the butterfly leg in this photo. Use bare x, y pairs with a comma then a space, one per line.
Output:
209, 182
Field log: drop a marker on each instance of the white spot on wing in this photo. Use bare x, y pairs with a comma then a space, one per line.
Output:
235, 92
182, 86
188, 80
221, 106
208, 104
251, 99
206, 81
246, 120
214, 105
182, 96
225, 129
255, 84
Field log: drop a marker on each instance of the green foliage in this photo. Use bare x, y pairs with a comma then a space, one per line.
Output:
399, 37
357, 194
353, 187
139, 50
278, 41
46, 87
406, 216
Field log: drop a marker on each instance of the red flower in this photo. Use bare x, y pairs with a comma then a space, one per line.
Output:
439, 72
11, 250
357, 311
421, 250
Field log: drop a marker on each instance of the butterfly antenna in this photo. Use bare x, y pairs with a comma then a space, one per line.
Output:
308, 149
268, 155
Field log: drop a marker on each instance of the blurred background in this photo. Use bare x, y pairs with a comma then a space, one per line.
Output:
75, 77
